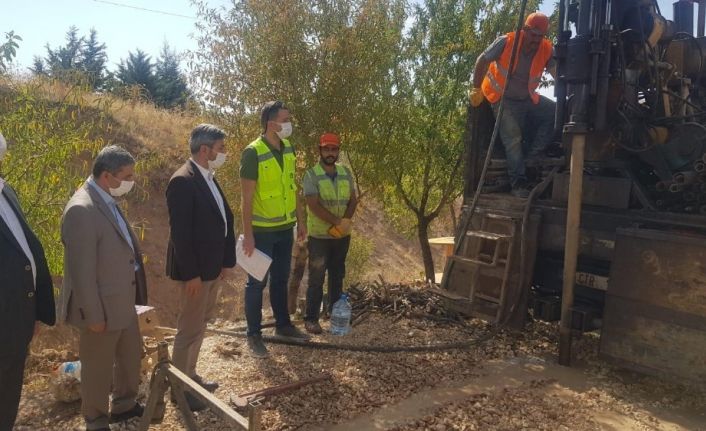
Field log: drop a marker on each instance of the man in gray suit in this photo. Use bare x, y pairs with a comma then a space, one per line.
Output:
103, 281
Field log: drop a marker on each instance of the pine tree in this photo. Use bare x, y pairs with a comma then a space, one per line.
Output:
171, 88
137, 69
38, 67
65, 60
93, 59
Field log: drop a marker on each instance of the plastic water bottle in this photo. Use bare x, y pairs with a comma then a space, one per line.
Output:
341, 316
72, 369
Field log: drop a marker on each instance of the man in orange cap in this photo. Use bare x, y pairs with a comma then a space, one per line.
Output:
331, 202
528, 118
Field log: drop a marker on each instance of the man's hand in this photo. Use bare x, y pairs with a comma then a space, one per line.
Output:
97, 327
248, 244
335, 232
345, 226
193, 286
475, 96
301, 232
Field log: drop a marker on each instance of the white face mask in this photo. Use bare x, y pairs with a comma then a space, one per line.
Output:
3, 146
286, 131
124, 187
220, 159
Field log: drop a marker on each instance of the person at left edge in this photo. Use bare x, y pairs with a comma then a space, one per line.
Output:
104, 279
26, 296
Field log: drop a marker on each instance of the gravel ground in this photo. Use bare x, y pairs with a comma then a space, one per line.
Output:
362, 382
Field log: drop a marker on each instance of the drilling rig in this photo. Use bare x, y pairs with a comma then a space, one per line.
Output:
613, 236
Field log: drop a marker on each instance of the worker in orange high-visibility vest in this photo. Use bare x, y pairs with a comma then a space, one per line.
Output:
528, 118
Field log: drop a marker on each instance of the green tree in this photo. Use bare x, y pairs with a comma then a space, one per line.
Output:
38, 66
327, 60
8, 50
93, 61
170, 84
64, 61
137, 70
82, 60
51, 145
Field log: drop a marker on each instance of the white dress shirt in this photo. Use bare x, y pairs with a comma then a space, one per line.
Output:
208, 176
10, 218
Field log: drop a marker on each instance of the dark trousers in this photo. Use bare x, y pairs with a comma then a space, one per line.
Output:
12, 369
278, 246
325, 255
526, 131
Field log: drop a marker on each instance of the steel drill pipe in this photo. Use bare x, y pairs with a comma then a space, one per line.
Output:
699, 166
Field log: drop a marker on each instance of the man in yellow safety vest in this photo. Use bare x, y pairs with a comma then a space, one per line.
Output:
528, 118
269, 212
331, 202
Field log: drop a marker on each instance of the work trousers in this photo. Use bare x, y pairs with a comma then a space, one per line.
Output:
110, 358
195, 312
526, 131
278, 246
325, 256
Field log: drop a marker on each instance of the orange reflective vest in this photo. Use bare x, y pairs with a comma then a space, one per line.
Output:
494, 80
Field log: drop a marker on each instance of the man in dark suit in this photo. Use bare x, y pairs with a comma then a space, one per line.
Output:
26, 297
201, 246
104, 279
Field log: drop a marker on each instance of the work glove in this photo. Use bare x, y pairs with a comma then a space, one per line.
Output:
344, 226
335, 232
475, 96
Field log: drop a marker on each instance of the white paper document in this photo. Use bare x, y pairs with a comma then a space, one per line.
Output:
256, 264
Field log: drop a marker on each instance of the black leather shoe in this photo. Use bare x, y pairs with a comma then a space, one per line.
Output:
135, 412
209, 386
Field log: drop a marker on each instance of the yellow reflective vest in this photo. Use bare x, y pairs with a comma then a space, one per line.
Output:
333, 195
275, 200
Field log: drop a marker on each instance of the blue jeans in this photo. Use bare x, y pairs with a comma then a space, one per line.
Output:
277, 245
526, 130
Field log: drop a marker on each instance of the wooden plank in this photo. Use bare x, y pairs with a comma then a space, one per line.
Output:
155, 406
448, 244
223, 410
444, 240
178, 394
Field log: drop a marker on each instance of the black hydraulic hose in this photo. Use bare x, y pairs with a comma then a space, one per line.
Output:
536, 191
458, 345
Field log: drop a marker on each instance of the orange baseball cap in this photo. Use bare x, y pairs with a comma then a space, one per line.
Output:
329, 140
538, 22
